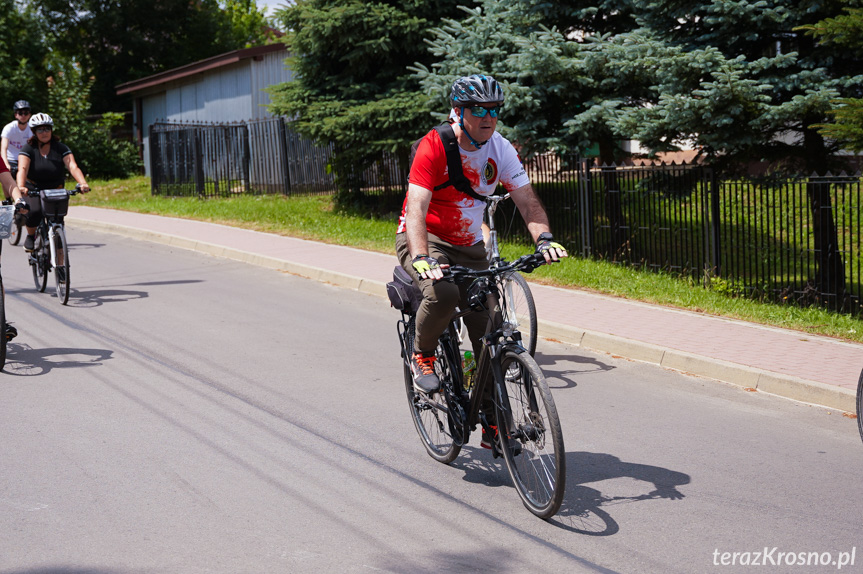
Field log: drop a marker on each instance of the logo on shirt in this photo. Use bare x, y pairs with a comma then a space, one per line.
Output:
489, 172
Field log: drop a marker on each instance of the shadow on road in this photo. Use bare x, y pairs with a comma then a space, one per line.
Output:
25, 361
78, 298
584, 508
96, 298
564, 378
84, 246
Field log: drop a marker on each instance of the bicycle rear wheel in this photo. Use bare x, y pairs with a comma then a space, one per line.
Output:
519, 309
431, 414
39, 261
530, 434
61, 270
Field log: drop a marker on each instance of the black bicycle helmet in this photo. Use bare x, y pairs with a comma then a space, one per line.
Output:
475, 89
21, 105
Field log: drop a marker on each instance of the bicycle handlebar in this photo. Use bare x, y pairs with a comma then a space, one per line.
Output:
525, 263
497, 198
34, 192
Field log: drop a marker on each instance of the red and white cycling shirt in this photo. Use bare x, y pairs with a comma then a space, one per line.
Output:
454, 216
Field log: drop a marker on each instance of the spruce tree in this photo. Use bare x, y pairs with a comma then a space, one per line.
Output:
843, 33
352, 85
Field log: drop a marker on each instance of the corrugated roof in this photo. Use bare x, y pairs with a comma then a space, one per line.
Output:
197, 67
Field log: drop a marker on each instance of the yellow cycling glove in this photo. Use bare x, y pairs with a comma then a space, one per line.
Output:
423, 263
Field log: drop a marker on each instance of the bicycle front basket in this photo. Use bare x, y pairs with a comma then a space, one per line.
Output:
7, 220
55, 202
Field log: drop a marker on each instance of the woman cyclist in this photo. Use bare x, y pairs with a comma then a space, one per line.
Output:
42, 164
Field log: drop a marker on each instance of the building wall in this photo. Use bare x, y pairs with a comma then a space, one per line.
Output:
228, 94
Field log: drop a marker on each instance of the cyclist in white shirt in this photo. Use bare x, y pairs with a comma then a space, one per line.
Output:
14, 135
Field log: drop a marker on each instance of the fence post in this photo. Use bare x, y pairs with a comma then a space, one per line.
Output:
155, 175
710, 208
283, 156
585, 207
198, 154
715, 190
247, 159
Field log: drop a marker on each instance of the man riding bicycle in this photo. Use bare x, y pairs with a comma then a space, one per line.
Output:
441, 225
14, 135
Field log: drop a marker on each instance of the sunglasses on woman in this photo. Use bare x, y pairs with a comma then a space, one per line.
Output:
480, 112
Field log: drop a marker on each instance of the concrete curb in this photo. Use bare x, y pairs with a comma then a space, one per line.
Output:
778, 384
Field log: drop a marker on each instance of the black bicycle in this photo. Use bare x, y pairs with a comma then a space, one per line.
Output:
51, 252
521, 414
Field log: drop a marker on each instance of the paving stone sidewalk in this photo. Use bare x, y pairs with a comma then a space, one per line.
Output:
792, 364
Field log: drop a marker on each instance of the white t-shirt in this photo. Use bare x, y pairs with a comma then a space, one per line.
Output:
17, 138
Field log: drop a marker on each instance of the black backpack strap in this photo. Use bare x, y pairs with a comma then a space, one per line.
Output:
453, 162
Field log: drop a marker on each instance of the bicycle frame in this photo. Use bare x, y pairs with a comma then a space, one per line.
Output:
49, 233
488, 370
499, 336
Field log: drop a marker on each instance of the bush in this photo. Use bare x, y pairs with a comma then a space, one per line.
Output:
99, 154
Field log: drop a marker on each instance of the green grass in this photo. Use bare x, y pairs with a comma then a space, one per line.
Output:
314, 218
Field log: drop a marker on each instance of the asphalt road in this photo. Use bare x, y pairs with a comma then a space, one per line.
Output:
188, 414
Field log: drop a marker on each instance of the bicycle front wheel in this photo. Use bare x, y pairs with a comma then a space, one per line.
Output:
519, 309
431, 413
530, 434
15, 234
61, 270
860, 405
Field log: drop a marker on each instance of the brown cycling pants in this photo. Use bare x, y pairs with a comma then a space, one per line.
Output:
440, 299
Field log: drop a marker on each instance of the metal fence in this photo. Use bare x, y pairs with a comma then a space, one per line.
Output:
792, 240
218, 160
202, 160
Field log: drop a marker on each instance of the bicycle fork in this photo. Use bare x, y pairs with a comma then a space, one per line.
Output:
52, 247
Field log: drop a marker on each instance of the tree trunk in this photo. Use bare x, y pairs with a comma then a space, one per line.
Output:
830, 276
618, 245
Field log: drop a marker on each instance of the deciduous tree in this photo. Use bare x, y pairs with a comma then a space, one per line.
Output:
122, 40
22, 71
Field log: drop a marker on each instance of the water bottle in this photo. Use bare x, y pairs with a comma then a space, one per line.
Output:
468, 368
